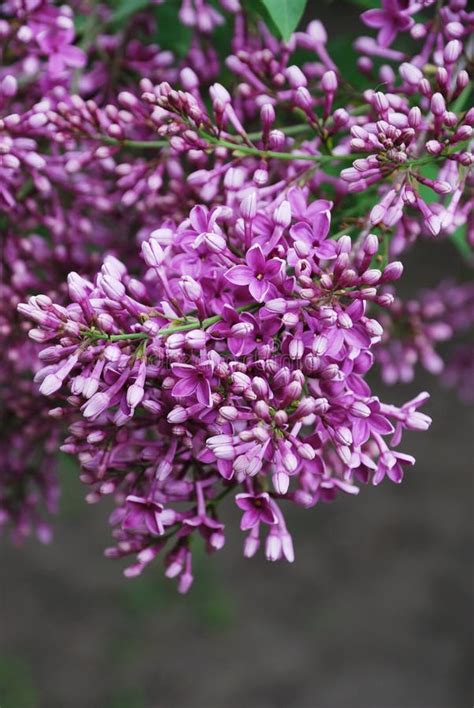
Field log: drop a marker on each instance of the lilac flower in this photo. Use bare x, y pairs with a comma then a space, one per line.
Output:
194, 380
143, 516
57, 44
258, 273
389, 20
257, 509
391, 465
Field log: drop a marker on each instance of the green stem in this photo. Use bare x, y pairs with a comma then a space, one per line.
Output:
204, 324
240, 149
132, 335
138, 144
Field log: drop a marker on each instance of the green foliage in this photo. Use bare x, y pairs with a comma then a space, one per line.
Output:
171, 34
365, 4
125, 8
281, 16
459, 240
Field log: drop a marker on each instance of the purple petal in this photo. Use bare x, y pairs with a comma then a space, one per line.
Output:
357, 337
249, 519
183, 371
360, 431
326, 250
203, 393
241, 347
268, 516
380, 424
153, 523
244, 501
321, 223
73, 56
301, 232
255, 259
225, 468
374, 18
272, 268
355, 310
317, 207
335, 341
185, 387
405, 459
395, 473
198, 218
387, 34
239, 275
258, 289
206, 369
297, 202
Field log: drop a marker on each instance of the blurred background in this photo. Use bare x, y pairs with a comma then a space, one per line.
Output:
374, 613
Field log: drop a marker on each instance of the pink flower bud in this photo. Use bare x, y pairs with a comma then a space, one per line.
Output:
414, 117
191, 289
8, 86
276, 139
393, 271
329, 81
248, 206
295, 77
438, 104
282, 214
380, 102
410, 73
452, 51
434, 147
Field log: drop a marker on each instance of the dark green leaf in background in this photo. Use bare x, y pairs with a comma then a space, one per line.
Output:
459, 240
284, 15
125, 8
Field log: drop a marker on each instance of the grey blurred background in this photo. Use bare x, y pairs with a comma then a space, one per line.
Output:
376, 611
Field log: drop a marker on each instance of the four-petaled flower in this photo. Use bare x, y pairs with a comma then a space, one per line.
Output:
391, 464
389, 20
257, 508
194, 380
143, 516
257, 274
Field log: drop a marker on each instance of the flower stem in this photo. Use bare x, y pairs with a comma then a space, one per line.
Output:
204, 324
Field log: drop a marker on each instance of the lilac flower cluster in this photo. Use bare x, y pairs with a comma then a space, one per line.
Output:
214, 237
236, 364
413, 328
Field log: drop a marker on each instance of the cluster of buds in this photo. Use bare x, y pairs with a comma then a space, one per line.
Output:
395, 152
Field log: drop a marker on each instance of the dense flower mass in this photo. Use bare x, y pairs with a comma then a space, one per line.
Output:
214, 229
234, 364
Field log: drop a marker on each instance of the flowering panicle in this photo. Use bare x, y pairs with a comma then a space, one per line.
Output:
215, 238
237, 364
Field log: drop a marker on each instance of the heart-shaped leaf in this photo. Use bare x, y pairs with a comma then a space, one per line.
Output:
284, 14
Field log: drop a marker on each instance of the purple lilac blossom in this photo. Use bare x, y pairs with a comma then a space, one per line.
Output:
223, 347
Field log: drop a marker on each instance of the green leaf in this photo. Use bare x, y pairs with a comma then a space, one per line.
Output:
364, 4
125, 8
171, 33
426, 193
459, 240
284, 14
462, 100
